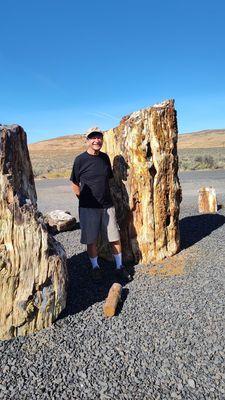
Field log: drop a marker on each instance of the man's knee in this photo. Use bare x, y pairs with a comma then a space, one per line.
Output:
115, 242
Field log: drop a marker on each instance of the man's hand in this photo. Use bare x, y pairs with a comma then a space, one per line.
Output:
76, 189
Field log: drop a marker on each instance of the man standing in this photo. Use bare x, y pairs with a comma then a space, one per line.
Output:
90, 182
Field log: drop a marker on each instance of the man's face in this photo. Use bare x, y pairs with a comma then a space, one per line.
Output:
95, 141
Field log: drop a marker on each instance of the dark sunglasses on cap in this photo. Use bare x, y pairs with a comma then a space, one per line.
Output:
93, 135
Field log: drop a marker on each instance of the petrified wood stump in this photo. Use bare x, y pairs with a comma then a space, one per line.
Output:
32, 263
146, 189
207, 202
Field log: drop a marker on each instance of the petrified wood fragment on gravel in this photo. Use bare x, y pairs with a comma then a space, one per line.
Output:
32, 263
207, 202
112, 300
146, 189
59, 221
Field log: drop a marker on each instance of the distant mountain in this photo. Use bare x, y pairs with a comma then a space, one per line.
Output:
76, 143
202, 139
68, 143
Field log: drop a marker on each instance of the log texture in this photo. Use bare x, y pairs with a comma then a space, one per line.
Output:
32, 263
146, 189
113, 298
207, 202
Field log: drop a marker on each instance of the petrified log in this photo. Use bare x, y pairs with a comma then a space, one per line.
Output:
113, 298
207, 202
146, 189
32, 263
59, 221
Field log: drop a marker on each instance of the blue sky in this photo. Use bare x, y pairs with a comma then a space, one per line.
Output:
68, 65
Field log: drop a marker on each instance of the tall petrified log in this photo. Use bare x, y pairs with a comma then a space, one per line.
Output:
32, 263
146, 189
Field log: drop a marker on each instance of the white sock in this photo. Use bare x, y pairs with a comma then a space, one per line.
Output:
94, 262
118, 259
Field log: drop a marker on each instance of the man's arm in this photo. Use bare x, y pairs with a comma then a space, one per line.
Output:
75, 177
76, 189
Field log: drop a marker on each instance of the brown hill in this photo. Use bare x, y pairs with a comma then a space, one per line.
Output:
70, 143
75, 144
54, 157
202, 139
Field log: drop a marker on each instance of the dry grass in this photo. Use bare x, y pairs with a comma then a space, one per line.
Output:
48, 164
205, 158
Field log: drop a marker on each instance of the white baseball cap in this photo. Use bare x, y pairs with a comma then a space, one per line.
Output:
95, 129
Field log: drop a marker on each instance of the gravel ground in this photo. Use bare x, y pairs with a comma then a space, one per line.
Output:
167, 341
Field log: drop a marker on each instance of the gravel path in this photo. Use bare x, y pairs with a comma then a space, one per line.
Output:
167, 341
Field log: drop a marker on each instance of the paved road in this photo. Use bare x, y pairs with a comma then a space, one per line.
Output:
57, 193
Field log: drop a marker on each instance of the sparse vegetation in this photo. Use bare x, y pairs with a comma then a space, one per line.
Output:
52, 165
197, 159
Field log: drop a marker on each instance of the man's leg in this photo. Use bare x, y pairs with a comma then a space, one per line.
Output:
116, 247
114, 239
117, 253
89, 234
111, 231
93, 255
121, 271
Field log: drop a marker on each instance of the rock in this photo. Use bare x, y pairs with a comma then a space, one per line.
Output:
146, 189
191, 383
207, 202
33, 272
60, 221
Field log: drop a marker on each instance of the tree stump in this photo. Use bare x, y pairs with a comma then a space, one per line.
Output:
207, 202
33, 272
146, 189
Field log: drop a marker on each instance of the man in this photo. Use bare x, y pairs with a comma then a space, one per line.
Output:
90, 182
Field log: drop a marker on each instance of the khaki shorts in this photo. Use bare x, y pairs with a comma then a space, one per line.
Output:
96, 220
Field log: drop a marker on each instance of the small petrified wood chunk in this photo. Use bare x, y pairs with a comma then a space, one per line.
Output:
113, 298
207, 202
146, 189
59, 221
32, 263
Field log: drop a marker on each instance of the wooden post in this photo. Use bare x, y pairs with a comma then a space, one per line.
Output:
114, 297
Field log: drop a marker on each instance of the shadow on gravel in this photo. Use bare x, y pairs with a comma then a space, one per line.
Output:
195, 228
82, 291
125, 292
54, 231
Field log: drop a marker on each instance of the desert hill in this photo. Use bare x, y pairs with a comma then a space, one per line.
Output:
202, 139
76, 143
53, 158
70, 143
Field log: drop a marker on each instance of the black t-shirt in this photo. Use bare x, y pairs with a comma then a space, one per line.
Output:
93, 174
